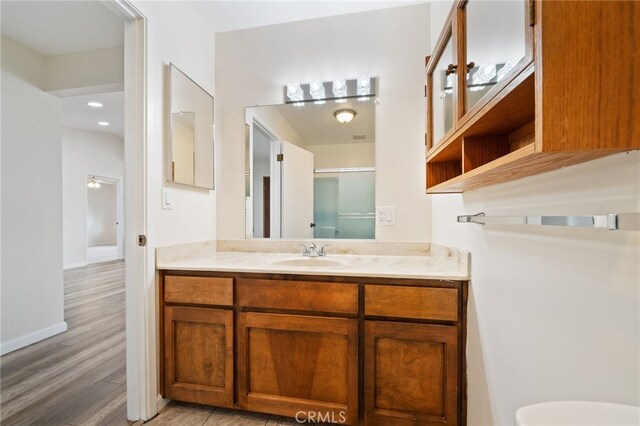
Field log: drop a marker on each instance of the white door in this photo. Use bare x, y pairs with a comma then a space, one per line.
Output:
297, 192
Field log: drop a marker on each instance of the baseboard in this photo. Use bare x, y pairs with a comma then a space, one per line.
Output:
31, 338
74, 265
162, 402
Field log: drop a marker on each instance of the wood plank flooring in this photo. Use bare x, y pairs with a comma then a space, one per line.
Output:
77, 377
183, 414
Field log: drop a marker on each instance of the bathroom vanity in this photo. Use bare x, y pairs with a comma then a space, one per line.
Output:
352, 339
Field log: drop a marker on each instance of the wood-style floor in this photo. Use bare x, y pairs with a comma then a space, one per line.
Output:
77, 377
182, 414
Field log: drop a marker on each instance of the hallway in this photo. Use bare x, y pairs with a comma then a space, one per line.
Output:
77, 377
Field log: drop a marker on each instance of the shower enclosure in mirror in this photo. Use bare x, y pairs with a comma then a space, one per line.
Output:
191, 132
309, 174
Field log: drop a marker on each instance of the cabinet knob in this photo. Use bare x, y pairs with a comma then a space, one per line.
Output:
451, 69
470, 66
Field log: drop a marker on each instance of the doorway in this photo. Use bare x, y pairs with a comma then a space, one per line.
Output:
104, 219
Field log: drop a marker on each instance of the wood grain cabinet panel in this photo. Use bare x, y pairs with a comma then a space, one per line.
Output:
298, 295
293, 365
547, 112
411, 302
410, 374
198, 355
198, 290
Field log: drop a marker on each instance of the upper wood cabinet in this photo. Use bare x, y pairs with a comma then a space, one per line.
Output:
535, 86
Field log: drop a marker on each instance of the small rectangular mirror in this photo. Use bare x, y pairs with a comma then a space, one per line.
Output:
191, 150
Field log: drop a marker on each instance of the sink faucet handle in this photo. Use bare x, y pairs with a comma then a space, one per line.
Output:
305, 251
322, 252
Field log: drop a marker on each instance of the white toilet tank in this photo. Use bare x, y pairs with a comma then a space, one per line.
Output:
578, 413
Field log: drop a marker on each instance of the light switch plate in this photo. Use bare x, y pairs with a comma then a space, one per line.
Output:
167, 199
386, 215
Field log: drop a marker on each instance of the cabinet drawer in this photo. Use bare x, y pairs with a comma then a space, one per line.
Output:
411, 302
200, 290
298, 295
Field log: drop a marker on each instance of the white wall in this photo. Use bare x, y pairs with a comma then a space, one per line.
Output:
175, 33
32, 285
83, 153
273, 121
554, 314
102, 215
253, 65
95, 71
343, 155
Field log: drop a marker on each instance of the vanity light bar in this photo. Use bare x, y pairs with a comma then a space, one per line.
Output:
363, 88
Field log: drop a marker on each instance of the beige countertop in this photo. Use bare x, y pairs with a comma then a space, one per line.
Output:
419, 260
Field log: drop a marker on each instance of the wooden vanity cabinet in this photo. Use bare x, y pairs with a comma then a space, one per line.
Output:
198, 351
412, 369
544, 107
347, 350
197, 339
410, 373
294, 364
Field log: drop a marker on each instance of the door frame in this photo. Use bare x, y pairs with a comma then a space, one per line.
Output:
139, 312
120, 219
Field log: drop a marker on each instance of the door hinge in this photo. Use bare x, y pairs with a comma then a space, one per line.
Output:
142, 240
532, 13
280, 157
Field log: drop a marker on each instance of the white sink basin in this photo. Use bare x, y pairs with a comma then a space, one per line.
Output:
309, 262
578, 413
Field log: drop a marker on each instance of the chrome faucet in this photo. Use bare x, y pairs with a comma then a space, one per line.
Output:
312, 250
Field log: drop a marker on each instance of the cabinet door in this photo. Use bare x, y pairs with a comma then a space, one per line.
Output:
198, 355
410, 374
498, 43
442, 88
298, 366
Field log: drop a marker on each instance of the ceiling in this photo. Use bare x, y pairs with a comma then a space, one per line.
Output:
235, 15
76, 114
317, 125
53, 28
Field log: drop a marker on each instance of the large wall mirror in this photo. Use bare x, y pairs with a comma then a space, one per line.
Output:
311, 170
191, 144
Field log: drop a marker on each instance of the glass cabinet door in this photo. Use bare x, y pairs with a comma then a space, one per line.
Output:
443, 90
496, 44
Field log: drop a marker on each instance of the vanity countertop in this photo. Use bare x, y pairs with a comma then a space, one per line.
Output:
428, 263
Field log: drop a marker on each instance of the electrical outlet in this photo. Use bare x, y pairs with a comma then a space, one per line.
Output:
386, 215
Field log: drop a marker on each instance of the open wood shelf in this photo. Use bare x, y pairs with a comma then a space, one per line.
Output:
499, 133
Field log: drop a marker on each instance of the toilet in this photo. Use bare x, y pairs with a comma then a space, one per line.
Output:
578, 413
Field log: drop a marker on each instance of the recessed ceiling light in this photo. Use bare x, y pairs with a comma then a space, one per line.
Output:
103, 123
95, 104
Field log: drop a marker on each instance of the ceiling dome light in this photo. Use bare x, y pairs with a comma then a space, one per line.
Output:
95, 104
103, 123
93, 183
344, 115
